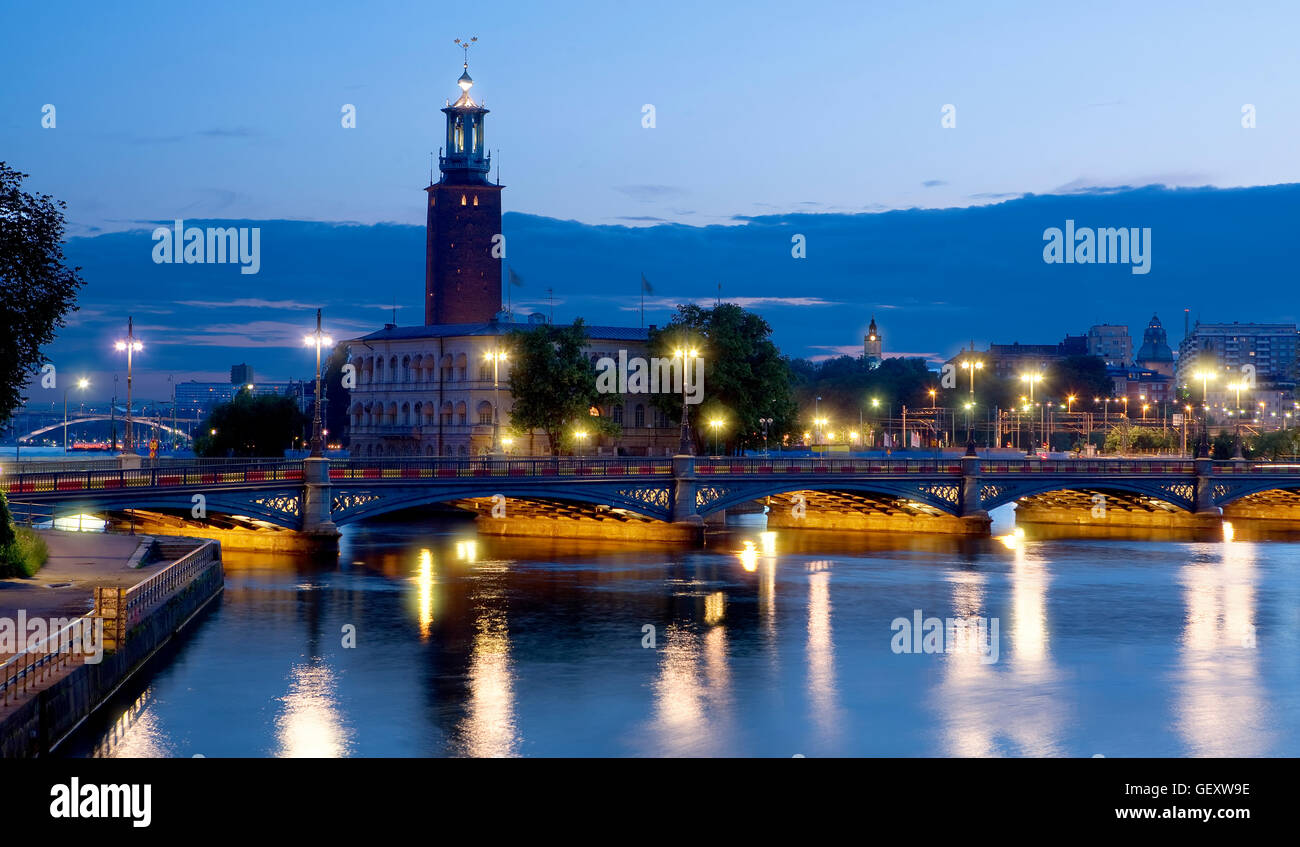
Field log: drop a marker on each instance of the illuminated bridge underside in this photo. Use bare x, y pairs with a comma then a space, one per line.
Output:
1111, 507
848, 510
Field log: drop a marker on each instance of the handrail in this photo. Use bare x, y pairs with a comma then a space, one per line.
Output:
34, 664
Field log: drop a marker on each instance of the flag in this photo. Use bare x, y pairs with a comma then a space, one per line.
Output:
646, 287
515, 279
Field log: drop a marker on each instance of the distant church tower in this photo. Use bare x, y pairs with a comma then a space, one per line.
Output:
462, 279
871, 345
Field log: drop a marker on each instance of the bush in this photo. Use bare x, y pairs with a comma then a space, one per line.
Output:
24, 555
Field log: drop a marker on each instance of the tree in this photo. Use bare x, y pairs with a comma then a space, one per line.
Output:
1082, 376
37, 289
745, 376
249, 425
336, 395
553, 383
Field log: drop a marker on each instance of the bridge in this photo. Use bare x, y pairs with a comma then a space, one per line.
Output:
71, 422
318, 495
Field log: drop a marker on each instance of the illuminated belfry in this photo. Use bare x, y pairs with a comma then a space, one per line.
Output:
462, 276
871, 345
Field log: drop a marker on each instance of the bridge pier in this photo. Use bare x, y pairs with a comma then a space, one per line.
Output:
971, 511
686, 511
317, 499
1206, 511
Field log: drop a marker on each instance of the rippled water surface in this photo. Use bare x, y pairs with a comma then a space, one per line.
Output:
1114, 645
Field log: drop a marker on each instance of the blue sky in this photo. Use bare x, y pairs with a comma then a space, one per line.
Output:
232, 109
764, 112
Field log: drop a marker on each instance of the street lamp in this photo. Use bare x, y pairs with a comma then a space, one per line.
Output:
496, 357
685, 447
81, 384
581, 435
766, 422
972, 365
715, 424
319, 340
1032, 379
132, 346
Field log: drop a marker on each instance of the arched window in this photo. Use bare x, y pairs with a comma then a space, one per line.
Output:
640, 416
462, 414
446, 413
392, 369
462, 367
485, 413
446, 368
462, 200
485, 372
617, 415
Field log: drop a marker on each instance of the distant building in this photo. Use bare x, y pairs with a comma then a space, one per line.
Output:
1111, 343
1234, 351
1011, 360
1142, 385
871, 345
1155, 354
241, 375
200, 398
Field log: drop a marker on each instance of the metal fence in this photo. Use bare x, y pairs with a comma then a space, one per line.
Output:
33, 665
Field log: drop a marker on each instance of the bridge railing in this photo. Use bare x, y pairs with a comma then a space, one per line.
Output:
1089, 466
442, 468
717, 466
225, 473
32, 664
157, 589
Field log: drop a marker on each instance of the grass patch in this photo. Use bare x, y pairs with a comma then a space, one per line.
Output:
24, 555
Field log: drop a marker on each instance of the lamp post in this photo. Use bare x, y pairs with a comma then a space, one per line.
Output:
318, 339
685, 447
766, 422
715, 425
81, 384
1203, 444
132, 346
1032, 379
581, 435
496, 357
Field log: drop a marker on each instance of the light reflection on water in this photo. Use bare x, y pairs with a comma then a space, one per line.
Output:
501, 647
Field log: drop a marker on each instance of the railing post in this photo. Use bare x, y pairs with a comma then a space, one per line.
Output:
317, 498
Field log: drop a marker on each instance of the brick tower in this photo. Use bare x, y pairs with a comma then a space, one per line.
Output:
462, 277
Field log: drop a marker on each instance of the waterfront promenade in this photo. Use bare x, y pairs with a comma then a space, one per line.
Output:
88, 620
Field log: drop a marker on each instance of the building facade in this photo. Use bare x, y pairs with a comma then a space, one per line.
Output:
1111, 343
871, 345
1266, 353
1155, 353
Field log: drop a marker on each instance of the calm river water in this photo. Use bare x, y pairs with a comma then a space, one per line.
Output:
1117, 645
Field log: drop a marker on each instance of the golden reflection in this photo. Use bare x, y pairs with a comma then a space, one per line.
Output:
1221, 710
424, 595
693, 703
968, 697
467, 551
310, 725
1228, 532
767, 540
749, 557
489, 730
714, 608
1014, 540
822, 692
1035, 726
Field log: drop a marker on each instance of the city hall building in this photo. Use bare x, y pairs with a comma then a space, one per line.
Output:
432, 390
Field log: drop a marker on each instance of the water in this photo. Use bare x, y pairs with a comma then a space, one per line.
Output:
1164, 646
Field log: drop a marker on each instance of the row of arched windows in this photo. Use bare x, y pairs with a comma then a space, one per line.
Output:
420, 368
417, 414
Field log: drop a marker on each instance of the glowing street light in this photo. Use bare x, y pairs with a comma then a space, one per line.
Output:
130, 346
1032, 379
685, 447
581, 435
81, 384
496, 357
972, 365
319, 340
715, 424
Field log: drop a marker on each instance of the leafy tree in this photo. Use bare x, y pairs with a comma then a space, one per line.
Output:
553, 384
745, 376
1082, 376
1279, 444
337, 398
251, 426
37, 289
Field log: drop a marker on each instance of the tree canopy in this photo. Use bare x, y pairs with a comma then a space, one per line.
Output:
745, 376
37, 288
553, 383
263, 425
